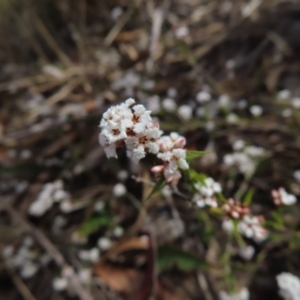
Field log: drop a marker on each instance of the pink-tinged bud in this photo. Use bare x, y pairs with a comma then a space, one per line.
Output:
156, 124
231, 201
157, 169
246, 210
163, 147
179, 143
170, 179
274, 193
261, 218
235, 214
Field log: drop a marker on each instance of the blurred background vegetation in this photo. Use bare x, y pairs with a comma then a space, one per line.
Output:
64, 62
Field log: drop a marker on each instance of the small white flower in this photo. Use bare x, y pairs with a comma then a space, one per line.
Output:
99, 206
119, 190
203, 96
283, 197
118, 231
210, 126
224, 101
169, 104
296, 102
232, 118
286, 112
238, 145
256, 110
247, 252
104, 243
289, 286
172, 92
28, 269
297, 175
284, 94
116, 12
153, 103
185, 112
85, 275
181, 32
59, 284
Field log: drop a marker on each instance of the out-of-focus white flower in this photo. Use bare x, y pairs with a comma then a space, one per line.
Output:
243, 294
224, 101
181, 32
153, 104
185, 112
119, 190
122, 175
59, 284
8, 251
247, 252
242, 161
28, 269
284, 94
287, 113
85, 276
289, 286
99, 206
254, 151
296, 102
91, 255
238, 145
256, 110
245, 160
172, 92
203, 96
51, 193
232, 118
251, 227
25, 154
116, 12
282, 197
227, 225
210, 126
230, 64
297, 175
169, 104
205, 195
118, 231
104, 243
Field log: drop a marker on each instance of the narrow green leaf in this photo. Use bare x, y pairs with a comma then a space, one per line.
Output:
191, 154
94, 223
158, 186
249, 196
171, 256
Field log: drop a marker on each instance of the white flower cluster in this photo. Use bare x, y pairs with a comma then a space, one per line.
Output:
133, 127
249, 226
26, 260
282, 197
245, 158
122, 125
205, 195
289, 286
243, 294
173, 155
52, 192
